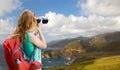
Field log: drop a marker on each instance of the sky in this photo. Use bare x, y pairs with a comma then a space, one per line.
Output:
67, 18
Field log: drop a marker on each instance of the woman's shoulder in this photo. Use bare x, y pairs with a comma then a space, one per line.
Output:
28, 34
31, 35
12, 36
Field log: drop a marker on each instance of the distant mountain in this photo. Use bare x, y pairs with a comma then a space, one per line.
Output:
98, 42
58, 44
108, 42
107, 37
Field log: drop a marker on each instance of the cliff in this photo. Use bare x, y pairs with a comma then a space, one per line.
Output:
77, 50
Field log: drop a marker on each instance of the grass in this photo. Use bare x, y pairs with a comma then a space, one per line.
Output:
104, 63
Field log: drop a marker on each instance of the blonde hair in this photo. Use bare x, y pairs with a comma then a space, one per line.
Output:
26, 23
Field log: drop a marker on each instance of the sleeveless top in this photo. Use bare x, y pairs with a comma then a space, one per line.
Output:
29, 48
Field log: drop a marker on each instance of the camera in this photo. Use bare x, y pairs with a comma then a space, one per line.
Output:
44, 20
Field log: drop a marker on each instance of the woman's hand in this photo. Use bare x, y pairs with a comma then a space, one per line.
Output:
39, 26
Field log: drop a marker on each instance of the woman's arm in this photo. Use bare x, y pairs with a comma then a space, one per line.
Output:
39, 42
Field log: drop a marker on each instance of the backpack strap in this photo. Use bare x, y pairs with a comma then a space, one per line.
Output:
16, 50
32, 57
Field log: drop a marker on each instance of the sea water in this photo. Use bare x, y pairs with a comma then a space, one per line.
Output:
48, 63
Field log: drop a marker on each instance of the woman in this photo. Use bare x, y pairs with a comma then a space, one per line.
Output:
25, 30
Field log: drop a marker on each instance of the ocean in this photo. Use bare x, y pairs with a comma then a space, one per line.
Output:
48, 63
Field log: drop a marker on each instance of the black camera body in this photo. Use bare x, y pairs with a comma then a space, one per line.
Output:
44, 20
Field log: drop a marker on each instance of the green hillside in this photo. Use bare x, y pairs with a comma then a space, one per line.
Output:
105, 63
113, 46
74, 46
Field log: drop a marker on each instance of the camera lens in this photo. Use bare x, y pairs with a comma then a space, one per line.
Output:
44, 21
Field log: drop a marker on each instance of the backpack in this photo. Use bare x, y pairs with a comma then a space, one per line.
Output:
14, 58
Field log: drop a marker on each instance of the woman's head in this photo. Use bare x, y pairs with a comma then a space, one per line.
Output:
26, 23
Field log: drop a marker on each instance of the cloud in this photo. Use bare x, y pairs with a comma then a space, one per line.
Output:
7, 6
100, 7
72, 26
6, 25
